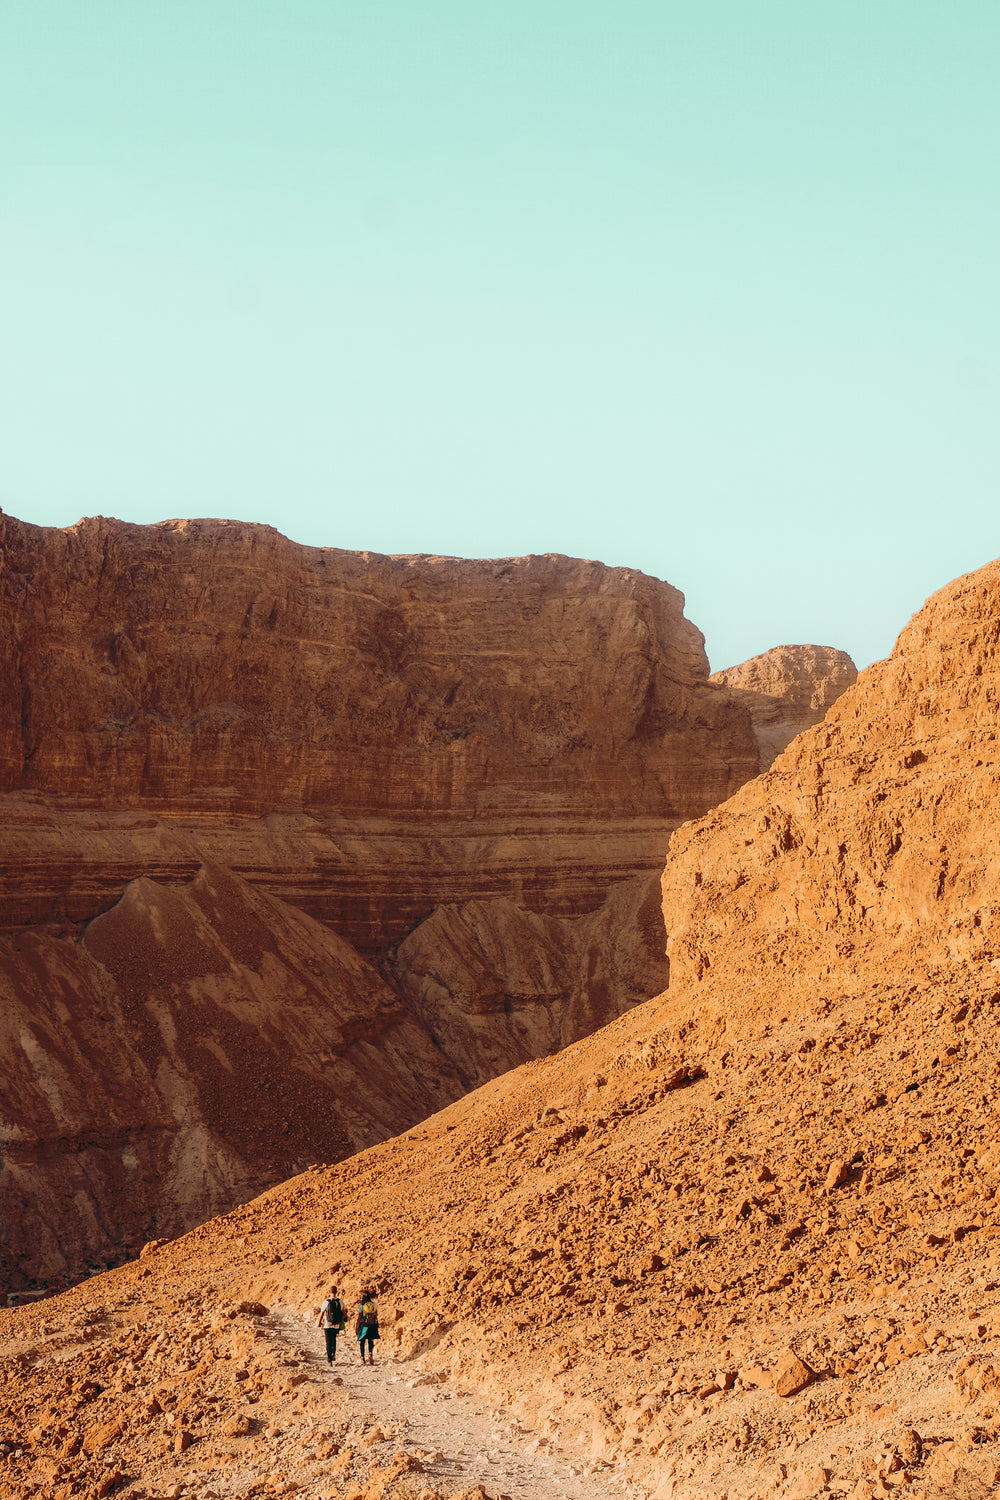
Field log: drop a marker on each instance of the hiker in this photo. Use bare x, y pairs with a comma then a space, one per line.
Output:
366, 1326
331, 1319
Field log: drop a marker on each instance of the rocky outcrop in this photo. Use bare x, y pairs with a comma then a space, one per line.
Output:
787, 690
870, 839
367, 737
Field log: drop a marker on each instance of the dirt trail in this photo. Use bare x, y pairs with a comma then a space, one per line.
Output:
460, 1440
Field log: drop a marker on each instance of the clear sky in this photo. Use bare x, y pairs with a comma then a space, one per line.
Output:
707, 289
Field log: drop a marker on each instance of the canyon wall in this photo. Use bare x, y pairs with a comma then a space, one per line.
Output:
368, 737
230, 766
282, 823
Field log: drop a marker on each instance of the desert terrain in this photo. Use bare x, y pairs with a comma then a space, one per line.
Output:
740, 1242
298, 845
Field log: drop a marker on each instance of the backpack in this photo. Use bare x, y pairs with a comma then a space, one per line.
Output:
369, 1315
335, 1311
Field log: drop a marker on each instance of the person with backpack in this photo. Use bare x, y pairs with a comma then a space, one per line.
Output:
332, 1319
366, 1326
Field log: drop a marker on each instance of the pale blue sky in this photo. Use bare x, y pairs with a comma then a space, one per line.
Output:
707, 289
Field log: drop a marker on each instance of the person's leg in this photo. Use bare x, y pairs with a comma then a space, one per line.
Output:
333, 1349
371, 1351
330, 1335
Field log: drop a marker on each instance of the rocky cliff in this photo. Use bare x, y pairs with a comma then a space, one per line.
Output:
787, 690
740, 1242
368, 737
230, 765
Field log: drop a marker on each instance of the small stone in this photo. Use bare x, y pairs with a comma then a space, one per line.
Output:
101, 1435
910, 1447
836, 1175
791, 1374
238, 1425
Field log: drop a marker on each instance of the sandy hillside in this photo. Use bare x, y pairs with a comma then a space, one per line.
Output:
741, 1243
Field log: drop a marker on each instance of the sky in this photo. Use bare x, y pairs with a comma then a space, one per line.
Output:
705, 289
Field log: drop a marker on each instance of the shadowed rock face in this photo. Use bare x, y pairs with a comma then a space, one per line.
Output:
192, 1046
497, 985
787, 690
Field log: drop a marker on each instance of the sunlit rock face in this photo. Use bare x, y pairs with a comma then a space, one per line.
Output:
787, 690
368, 737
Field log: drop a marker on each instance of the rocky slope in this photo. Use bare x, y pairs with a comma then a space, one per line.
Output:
197, 1043
743, 1241
787, 690
870, 840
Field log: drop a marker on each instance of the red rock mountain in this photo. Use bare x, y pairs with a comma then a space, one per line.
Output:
740, 1242
298, 844
367, 737
230, 767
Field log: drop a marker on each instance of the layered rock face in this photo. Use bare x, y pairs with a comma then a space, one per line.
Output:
741, 1241
787, 690
368, 737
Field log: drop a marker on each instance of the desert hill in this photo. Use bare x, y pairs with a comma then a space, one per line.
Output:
743, 1241
300, 844
786, 690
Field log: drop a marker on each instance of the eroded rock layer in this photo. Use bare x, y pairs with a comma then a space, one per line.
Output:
366, 736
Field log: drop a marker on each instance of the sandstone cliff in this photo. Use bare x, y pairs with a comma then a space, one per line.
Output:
368, 737
787, 690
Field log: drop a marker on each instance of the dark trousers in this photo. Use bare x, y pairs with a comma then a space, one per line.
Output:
371, 1348
330, 1334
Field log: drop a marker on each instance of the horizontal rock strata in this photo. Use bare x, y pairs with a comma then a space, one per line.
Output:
373, 735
